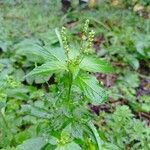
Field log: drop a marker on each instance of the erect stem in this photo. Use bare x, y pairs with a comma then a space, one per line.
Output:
70, 84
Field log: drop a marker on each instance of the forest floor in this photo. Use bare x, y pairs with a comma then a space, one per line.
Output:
122, 36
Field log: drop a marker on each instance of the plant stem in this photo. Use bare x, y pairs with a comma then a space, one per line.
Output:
70, 84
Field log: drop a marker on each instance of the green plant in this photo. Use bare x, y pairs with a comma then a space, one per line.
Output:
76, 86
126, 132
35, 112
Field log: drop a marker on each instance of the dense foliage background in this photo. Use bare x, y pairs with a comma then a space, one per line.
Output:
29, 118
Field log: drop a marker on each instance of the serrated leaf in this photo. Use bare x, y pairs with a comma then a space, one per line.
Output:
94, 64
56, 54
32, 49
35, 52
69, 146
18, 93
91, 88
33, 144
36, 111
47, 68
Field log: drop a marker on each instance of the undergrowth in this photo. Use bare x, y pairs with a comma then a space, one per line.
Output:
58, 89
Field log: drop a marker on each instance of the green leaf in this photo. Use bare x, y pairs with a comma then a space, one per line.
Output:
56, 54
2, 104
131, 79
47, 68
96, 134
36, 111
35, 52
91, 88
133, 61
18, 93
69, 146
94, 64
33, 144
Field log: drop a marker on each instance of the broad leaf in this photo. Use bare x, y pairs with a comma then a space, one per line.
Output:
36, 111
69, 146
95, 64
35, 52
47, 68
33, 144
56, 53
91, 88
